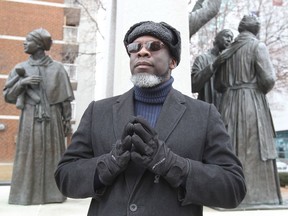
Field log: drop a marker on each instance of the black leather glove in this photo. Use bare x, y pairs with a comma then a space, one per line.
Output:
154, 155
110, 165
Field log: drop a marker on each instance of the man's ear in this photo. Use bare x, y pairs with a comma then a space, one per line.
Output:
173, 64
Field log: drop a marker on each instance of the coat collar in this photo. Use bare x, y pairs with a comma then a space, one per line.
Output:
172, 111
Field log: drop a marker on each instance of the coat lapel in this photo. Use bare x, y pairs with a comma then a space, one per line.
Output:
171, 113
123, 110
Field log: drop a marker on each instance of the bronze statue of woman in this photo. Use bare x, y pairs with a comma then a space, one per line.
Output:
42, 90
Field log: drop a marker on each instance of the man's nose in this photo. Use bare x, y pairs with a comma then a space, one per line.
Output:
143, 51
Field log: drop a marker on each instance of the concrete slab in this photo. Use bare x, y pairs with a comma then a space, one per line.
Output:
79, 207
71, 207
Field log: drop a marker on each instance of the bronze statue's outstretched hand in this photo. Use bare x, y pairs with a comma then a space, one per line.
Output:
198, 5
202, 13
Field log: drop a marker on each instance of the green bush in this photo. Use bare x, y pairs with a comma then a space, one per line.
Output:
283, 179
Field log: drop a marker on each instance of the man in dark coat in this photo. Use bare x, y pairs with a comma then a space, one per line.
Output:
202, 73
152, 150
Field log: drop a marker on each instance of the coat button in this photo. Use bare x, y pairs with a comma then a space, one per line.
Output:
133, 207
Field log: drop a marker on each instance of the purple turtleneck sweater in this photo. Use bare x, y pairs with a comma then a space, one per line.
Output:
149, 101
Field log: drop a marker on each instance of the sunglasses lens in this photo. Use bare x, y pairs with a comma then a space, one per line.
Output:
154, 45
151, 46
133, 47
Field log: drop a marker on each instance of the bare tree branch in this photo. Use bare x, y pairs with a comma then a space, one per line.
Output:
86, 9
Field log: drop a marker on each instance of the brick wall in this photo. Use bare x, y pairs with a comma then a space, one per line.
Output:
18, 19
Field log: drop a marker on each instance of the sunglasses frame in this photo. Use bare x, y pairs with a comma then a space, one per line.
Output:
147, 46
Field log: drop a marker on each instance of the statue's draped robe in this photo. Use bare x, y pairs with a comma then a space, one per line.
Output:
202, 79
40, 140
244, 79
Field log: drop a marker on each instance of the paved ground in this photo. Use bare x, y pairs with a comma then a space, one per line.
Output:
74, 207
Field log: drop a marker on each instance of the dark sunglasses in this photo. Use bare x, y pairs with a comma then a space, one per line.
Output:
151, 46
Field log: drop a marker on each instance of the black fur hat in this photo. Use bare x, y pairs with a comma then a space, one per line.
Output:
163, 31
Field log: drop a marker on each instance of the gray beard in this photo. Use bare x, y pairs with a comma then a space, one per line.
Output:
146, 80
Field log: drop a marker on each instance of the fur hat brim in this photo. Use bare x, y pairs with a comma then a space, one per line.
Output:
163, 31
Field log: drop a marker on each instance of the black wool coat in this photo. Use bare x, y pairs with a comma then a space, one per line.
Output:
190, 128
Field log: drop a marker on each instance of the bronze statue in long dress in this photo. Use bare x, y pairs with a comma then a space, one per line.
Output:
244, 76
41, 88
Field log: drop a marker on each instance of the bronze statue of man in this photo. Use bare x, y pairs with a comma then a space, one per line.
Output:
244, 76
41, 88
202, 72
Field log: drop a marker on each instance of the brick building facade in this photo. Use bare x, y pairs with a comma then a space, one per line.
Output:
17, 19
